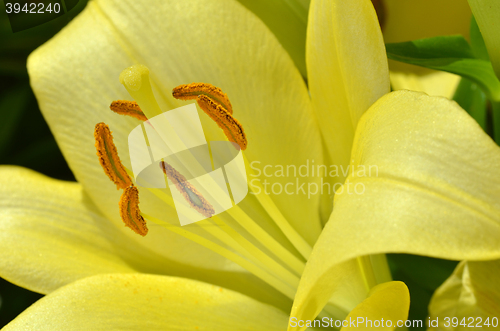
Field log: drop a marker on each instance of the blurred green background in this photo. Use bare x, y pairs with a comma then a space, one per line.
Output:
26, 140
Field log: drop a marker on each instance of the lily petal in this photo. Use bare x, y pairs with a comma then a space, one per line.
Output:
346, 67
147, 302
288, 21
472, 292
51, 234
75, 77
434, 190
438, 83
386, 302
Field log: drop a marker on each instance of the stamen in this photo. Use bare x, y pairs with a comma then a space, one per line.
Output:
188, 191
231, 127
130, 108
108, 157
130, 213
193, 90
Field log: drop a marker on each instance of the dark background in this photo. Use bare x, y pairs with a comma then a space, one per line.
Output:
25, 138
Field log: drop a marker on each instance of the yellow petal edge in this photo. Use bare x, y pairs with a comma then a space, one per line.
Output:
147, 302
386, 308
435, 192
470, 296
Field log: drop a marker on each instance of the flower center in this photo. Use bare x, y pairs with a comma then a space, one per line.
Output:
279, 260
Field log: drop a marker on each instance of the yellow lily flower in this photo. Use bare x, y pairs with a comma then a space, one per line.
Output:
434, 165
469, 298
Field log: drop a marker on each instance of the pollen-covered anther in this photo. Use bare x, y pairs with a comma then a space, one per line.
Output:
108, 157
129, 108
188, 191
231, 127
130, 213
193, 90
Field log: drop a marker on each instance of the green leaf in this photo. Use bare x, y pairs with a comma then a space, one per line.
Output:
471, 98
432, 48
449, 53
487, 13
477, 41
287, 19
